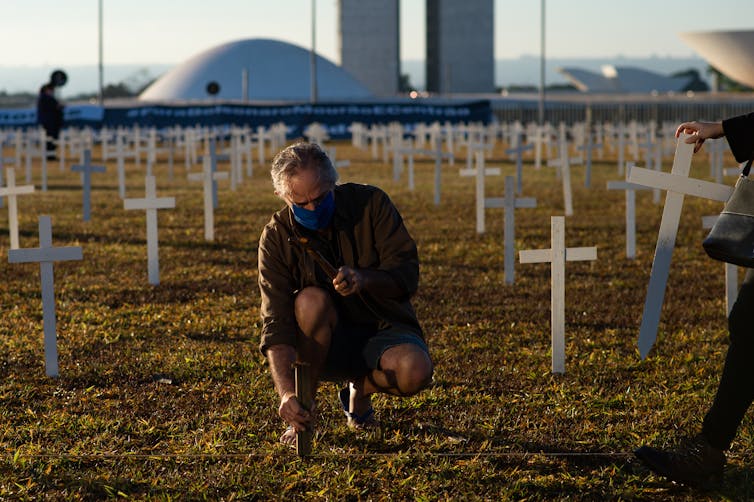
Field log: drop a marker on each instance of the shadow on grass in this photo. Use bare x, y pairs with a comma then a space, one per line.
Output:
168, 293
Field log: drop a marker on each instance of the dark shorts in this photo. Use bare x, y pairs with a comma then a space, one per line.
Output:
356, 348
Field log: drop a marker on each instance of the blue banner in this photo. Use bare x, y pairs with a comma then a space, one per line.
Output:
336, 117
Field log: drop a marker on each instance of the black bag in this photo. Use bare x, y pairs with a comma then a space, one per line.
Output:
732, 236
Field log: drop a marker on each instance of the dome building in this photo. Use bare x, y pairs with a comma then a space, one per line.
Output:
624, 79
276, 71
730, 52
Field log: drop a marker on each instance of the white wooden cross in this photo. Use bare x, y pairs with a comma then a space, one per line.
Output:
731, 271
12, 191
479, 173
262, 137
621, 133
678, 184
18, 146
589, 147
651, 160
558, 255
42, 151
409, 151
247, 146
2, 169
564, 163
120, 155
376, 135
36, 140
358, 135
438, 154
86, 169
509, 203
45, 255
540, 135
633, 139
151, 203
151, 150
716, 149
213, 158
337, 164
472, 148
630, 189
209, 179
517, 149
394, 145
240, 146
316, 133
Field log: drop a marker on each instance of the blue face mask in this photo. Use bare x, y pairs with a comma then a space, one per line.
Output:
317, 218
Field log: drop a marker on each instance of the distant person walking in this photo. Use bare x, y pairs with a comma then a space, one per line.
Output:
50, 116
701, 459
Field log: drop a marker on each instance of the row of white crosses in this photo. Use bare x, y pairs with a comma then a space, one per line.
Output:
46, 254
677, 184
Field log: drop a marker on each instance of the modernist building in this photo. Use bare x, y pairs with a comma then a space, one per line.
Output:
460, 46
272, 70
730, 52
623, 79
369, 41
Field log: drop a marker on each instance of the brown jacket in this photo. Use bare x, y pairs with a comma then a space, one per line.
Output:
366, 232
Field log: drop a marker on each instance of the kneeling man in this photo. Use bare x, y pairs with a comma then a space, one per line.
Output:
354, 324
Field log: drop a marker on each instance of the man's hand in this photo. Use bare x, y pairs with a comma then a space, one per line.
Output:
294, 414
348, 281
700, 131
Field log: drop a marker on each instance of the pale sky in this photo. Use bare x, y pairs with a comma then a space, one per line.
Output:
64, 32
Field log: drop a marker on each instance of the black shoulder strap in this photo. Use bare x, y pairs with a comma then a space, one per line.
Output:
747, 167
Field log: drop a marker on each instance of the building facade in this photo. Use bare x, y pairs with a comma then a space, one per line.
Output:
369, 39
460, 46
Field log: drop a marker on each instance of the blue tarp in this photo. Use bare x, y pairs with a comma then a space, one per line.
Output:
336, 117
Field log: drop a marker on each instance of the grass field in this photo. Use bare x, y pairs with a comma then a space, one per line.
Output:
495, 424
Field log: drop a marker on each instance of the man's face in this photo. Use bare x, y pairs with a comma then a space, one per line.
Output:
306, 190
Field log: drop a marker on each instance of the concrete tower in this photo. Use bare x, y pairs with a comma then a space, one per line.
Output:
460, 46
369, 40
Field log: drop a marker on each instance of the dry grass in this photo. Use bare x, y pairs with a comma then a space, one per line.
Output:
494, 425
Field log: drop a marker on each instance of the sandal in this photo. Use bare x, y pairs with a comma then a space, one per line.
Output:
366, 420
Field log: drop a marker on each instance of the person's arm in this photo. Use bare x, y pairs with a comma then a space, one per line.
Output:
398, 272
377, 282
281, 358
739, 132
278, 340
700, 131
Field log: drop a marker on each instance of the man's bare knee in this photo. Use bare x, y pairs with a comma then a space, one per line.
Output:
410, 366
314, 309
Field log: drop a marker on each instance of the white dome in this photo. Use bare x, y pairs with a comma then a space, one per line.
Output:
277, 71
730, 52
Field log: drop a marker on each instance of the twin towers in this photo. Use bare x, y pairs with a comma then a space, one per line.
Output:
459, 36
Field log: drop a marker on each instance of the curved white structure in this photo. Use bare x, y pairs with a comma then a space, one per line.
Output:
623, 79
277, 71
730, 52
